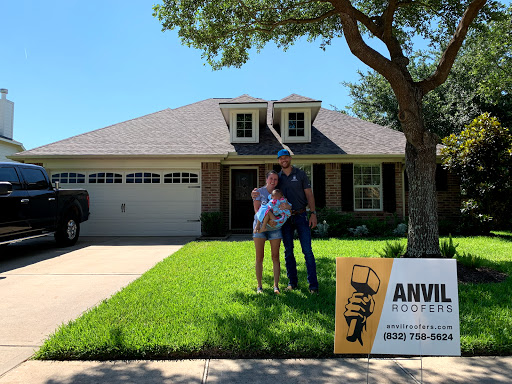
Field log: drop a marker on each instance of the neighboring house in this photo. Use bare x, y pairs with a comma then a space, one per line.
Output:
7, 145
155, 174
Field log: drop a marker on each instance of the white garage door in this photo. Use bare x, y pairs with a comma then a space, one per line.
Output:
141, 203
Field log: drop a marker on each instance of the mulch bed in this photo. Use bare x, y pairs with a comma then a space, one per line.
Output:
480, 275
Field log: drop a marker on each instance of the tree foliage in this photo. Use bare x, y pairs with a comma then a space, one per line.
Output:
227, 30
482, 157
480, 81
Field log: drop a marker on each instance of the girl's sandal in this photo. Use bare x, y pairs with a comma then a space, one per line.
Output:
259, 290
276, 290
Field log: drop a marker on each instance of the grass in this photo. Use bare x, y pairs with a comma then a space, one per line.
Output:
201, 302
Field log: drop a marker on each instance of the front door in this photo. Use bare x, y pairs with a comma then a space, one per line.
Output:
243, 181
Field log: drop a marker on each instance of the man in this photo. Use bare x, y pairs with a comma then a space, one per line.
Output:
296, 187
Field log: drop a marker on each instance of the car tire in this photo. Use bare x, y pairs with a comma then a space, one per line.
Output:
68, 231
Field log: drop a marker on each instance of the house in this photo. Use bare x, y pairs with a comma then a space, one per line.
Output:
7, 145
154, 175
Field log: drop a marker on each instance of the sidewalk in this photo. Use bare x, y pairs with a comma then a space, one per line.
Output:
436, 370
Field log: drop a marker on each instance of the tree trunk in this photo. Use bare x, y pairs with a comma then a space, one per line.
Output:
423, 235
420, 163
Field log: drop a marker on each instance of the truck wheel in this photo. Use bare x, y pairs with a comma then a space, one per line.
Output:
68, 231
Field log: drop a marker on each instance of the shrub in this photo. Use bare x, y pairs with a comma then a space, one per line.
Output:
473, 221
400, 230
359, 231
447, 226
377, 227
212, 223
339, 223
322, 229
448, 250
392, 250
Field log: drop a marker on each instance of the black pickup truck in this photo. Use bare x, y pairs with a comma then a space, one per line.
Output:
31, 207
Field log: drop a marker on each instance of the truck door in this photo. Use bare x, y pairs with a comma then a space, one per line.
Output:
13, 205
42, 204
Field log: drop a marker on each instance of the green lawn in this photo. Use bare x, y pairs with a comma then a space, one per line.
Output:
201, 302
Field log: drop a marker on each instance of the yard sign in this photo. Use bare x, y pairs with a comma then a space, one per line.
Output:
397, 306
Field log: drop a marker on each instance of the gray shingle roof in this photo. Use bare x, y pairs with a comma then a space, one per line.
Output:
294, 98
245, 99
200, 129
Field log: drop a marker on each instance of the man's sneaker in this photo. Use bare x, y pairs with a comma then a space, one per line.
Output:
313, 291
291, 287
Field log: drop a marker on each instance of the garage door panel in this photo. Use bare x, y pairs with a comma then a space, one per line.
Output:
143, 210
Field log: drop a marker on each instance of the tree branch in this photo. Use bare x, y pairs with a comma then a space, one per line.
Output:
279, 23
449, 55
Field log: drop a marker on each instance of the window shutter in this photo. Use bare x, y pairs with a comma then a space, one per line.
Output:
389, 187
319, 184
441, 178
347, 187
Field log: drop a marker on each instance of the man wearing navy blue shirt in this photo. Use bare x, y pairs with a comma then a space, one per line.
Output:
296, 187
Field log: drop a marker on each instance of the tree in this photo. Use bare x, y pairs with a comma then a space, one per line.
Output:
480, 81
482, 156
226, 30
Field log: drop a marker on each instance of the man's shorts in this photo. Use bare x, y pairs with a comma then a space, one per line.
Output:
269, 235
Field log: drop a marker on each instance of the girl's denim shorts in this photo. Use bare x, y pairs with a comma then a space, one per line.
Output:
269, 235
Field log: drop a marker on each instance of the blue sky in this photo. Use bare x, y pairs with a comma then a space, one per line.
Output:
74, 66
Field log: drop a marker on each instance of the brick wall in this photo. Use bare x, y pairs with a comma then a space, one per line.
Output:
399, 190
211, 193
333, 186
449, 201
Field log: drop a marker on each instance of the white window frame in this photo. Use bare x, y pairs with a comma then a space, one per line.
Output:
180, 177
115, 176
362, 185
58, 176
144, 179
285, 114
255, 124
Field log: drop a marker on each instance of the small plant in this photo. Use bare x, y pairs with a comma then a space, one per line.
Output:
448, 250
322, 229
469, 260
400, 230
359, 231
339, 223
211, 223
377, 227
392, 250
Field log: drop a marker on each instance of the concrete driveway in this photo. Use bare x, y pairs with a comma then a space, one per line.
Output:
43, 287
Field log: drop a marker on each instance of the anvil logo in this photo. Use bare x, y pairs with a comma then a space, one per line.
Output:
361, 305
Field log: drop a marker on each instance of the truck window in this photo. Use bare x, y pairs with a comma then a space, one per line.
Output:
9, 174
35, 178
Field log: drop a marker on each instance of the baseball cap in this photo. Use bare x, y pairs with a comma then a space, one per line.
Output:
283, 152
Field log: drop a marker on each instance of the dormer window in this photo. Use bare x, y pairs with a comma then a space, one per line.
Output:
243, 116
297, 125
244, 125
294, 115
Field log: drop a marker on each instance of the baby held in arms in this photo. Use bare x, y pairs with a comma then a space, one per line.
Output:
270, 216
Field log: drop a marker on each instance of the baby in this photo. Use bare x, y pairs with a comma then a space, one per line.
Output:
270, 216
